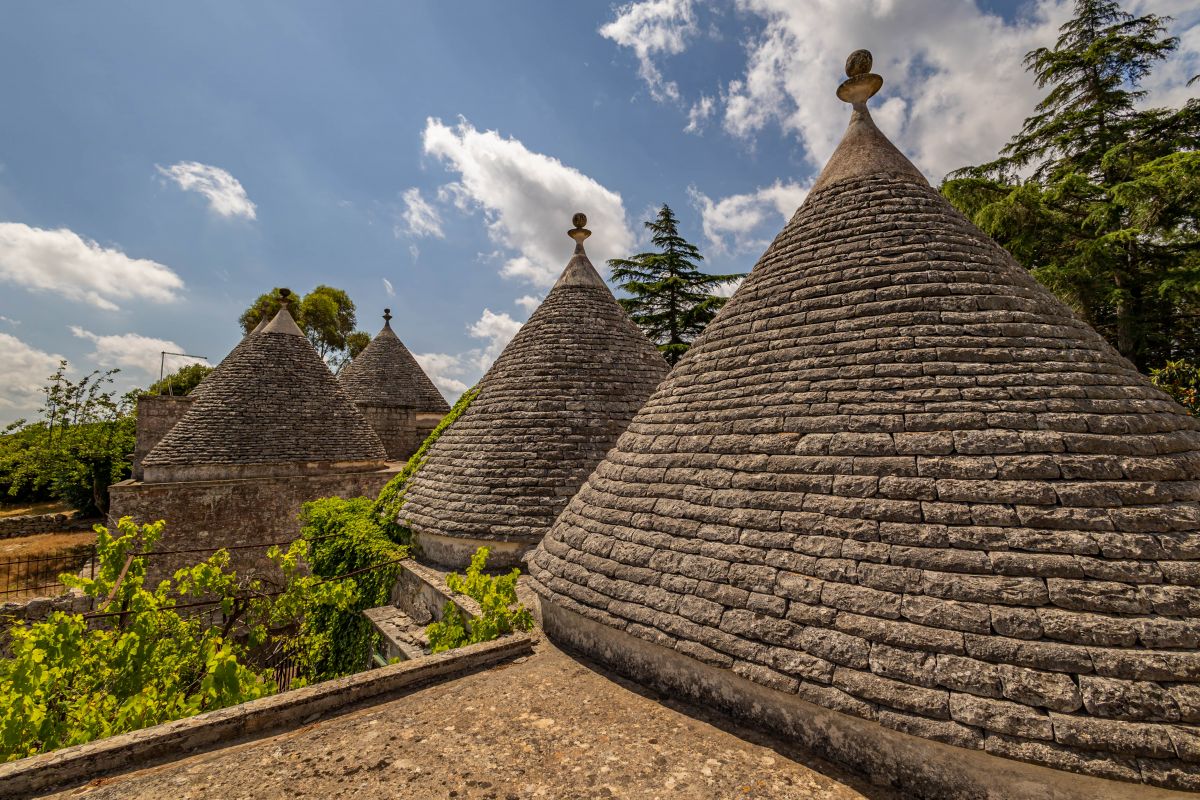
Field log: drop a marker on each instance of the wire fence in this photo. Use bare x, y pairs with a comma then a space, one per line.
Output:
38, 576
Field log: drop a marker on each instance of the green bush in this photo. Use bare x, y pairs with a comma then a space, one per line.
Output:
497, 599
1181, 380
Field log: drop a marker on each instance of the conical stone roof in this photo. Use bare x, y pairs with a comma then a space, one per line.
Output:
898, 479
547, 410
386, 374
271, 408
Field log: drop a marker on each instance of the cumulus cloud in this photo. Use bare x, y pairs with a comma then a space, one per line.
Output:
419, 217
64, 263
527, 199
453, 374
654, 28
225, 194
955, 88
134, 351
736, 223
442, 369
25, 370
949, 99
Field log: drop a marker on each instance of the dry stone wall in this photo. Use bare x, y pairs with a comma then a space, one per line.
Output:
33, 524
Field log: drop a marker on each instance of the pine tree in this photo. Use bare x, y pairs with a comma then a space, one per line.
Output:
1098, 197
671, 299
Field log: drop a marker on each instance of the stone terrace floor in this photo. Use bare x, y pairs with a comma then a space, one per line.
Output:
549, 726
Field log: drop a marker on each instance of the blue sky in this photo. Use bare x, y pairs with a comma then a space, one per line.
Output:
161, 164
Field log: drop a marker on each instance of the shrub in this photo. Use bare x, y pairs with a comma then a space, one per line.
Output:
497, 598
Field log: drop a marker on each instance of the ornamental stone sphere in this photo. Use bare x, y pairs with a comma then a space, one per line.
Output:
579, 220
858, 63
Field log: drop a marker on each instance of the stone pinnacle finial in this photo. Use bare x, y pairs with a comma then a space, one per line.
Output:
861, 83
285, 297
579, 233
387, 316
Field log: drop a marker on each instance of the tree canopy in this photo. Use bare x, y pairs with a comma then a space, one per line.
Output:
1098, 196
77, 449
671, 300
326, 315
181, 381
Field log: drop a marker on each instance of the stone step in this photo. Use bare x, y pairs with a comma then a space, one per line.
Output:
400, 631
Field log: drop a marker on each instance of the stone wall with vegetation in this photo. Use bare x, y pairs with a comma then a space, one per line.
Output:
213, 514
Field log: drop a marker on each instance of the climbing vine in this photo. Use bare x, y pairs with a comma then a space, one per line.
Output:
345, 538
391, 498
497, 598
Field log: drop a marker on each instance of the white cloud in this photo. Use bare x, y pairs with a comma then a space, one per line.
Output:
954, 91
224, 192
419, 217
10, 320
498, 329
25, 370
441, 369
527, 199
699, 114
955, 88
654, 28
62, 262
528, 303
736, 223
455, 373
134, 351
387, 287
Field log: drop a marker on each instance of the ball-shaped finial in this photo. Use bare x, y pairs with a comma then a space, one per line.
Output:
579, 233
858, 63
387, 315
862, 83
285, 294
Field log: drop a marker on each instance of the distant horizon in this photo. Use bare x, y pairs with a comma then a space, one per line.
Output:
160, 167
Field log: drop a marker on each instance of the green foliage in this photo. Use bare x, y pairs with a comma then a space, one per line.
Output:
497, 599
67, 682
671, 300
77, 449
391, 497
1181, 380
150, 655
181, 381
344, 536
326, 315
1109, 215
